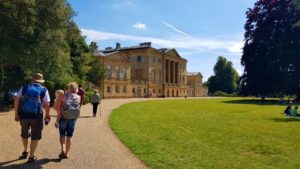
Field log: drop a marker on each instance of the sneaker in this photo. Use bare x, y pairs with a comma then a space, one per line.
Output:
31, 159
24, 155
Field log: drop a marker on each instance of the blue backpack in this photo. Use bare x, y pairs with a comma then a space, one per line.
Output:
32, 97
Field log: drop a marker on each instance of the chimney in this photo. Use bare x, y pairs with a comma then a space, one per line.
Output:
118, 45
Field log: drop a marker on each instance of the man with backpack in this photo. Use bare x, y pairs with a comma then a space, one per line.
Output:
28, 108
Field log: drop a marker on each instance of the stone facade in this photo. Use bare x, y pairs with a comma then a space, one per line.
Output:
143, 71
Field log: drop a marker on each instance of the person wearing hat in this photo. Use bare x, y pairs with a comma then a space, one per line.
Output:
95, 101
28, 106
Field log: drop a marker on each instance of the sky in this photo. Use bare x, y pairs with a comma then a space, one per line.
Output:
200, 30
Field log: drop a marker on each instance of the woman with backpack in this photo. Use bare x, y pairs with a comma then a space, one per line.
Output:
67, 121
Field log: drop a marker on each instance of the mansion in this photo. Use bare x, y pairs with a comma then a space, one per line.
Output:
143, 71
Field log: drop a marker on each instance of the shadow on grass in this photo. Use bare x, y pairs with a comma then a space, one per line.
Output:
288, 119
35, 165
255, 101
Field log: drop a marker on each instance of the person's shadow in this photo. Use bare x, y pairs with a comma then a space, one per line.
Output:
34, 165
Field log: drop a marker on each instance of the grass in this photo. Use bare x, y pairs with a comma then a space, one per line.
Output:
209, 133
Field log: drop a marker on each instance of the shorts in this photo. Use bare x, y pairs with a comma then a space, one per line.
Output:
36, 127
66, 127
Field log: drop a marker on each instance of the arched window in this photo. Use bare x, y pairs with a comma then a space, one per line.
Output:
108, 72
117, 73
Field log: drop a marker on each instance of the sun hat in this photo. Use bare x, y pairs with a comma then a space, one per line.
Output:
38, 77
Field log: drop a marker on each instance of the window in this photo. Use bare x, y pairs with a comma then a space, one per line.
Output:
108, 72
153, 59
117, 73
124, 73
159, 91
145, 90
139, 59
133, 90
154, 91
124, 89
108, 89
117, 89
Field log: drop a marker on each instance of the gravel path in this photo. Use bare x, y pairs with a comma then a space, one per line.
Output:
94, 144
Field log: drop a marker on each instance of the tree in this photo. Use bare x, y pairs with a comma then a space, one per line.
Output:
96, 74
225, 77
33, 39
272, 48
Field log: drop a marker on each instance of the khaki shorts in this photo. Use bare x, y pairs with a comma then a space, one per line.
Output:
36, 127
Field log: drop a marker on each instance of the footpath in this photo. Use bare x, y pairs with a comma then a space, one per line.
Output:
94, 145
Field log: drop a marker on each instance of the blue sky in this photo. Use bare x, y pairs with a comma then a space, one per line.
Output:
200, 30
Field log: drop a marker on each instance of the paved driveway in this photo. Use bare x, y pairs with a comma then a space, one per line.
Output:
94, 143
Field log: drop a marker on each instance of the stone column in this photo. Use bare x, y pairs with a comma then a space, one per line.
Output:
169, 72
166, 71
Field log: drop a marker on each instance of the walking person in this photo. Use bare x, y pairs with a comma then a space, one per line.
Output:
28, 107
81, 93
95, 101
67, 119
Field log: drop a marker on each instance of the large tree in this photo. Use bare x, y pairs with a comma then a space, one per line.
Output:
33, 39
225, 77
271, 53
41, 36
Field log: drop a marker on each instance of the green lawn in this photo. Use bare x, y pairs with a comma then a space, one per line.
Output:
209, 133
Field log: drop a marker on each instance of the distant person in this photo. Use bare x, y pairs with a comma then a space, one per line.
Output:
287, 111
81, 93
68, 118
294, 112
28, 107
95, 101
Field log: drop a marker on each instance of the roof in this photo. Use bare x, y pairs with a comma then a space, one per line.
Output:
141, 46
194, 74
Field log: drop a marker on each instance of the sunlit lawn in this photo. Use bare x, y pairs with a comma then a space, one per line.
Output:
209, 133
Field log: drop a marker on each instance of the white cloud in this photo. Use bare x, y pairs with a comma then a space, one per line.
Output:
123, 5
176, 30
140, 26
212, 45
236, 48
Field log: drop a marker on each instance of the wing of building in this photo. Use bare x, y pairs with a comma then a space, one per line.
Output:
143, 71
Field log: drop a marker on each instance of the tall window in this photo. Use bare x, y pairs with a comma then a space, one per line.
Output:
133, 90
108, 72
108, 89
139, 59
117, 73
125, 73
117, 89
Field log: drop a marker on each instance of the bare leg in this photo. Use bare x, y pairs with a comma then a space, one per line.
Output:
62, 140
25, 144
33, 146
68, 145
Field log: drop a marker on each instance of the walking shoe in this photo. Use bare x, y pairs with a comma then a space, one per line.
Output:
31, 159
62, 155
24, 155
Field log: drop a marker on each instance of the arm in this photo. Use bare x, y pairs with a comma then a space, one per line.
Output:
47, 110
46, 101
17, 104
16, 108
